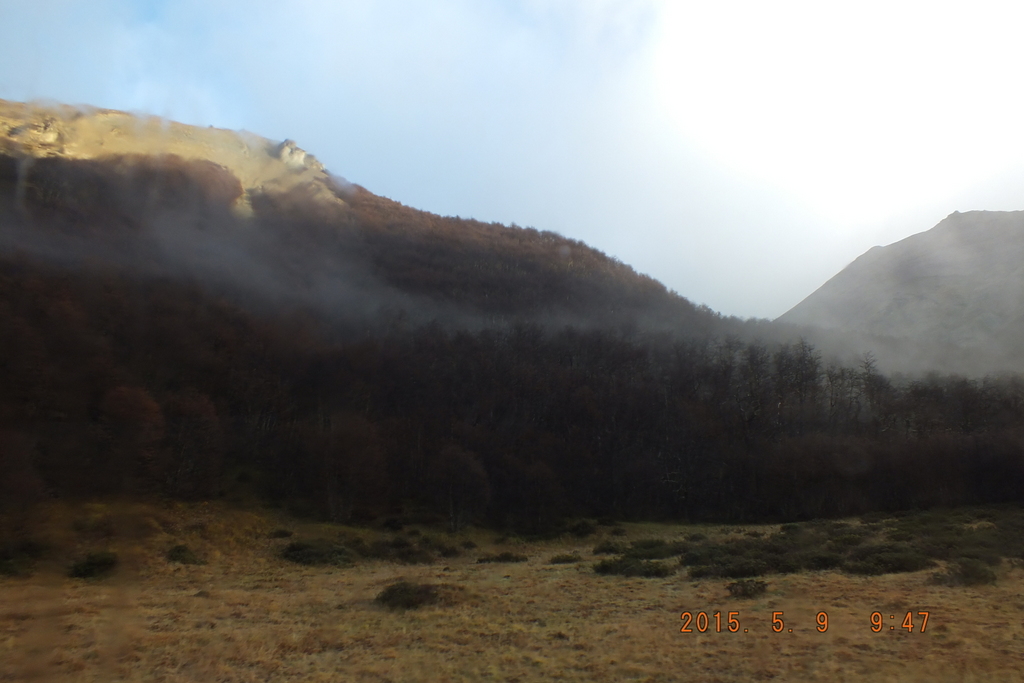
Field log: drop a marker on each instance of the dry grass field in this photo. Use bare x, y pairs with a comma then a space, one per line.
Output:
246, 614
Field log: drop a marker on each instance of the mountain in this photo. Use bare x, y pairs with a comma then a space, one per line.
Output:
265, 219
192, 313
950, 298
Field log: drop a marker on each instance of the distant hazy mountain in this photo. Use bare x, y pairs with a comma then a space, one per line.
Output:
951, 298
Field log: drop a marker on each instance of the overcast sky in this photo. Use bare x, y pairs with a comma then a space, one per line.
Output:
740, 152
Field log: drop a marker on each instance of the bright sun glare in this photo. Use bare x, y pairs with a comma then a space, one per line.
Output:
857, 110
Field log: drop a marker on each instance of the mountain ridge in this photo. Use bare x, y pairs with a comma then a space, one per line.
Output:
960, 283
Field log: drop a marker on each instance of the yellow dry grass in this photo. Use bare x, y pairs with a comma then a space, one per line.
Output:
247, 615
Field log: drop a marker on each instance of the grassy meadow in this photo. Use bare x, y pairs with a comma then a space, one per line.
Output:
210, 592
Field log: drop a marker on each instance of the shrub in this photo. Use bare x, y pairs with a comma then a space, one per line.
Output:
629, 566
567, 558
819, 560
748, 588
448, 551
701, 571
183, 555
653, 549
608, 548
582, 529
280, 533
846, 540
743, 568
618, 531
502, 557
697, 537
886, 559
320, 552
94, 564
469, 545
394, 550
407, 595
17, 559
966, 572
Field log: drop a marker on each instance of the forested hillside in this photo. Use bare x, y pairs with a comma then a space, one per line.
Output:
169, 330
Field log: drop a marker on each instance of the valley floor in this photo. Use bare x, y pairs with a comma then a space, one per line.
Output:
247, 615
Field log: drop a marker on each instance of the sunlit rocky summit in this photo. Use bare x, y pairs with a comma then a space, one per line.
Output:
36, 131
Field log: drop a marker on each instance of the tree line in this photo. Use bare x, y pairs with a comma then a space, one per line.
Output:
114, 384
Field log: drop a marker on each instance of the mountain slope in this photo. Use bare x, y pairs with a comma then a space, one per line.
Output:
267, 219
956, 289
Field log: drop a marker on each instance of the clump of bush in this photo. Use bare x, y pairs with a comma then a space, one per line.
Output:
653, 549
505, 556
582, 529
408, 595
748, 588
819, 560
469, 545
631, 566
17, 559
846, 540
565, 558
887, 558
318, 552
618, 531
93, 565
966, 572
608, 548
397, 549
182, 554
280, 533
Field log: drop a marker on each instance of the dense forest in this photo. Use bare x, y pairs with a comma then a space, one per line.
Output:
468, 372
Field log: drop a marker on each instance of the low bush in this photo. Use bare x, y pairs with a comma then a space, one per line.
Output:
817, 560
93, 565
280, 533
18, 558
502, 557
319, 552
966, 572
182, 554
407, 595
886, 559
582, 529
654, 549
567, 558
748, 588
396, 549
743, 568
608, 548
629, 566
846, 540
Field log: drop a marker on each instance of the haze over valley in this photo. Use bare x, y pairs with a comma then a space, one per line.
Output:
618, 340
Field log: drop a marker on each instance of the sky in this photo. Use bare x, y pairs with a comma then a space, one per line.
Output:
741, 152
